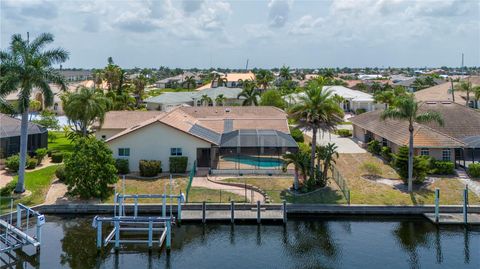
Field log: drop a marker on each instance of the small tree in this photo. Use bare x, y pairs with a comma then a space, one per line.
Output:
272, 98
48, 120
91, 169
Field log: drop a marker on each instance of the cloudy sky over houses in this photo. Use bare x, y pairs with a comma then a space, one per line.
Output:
203, 33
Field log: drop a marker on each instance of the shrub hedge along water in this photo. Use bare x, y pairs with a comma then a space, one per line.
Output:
149, 168
178, 164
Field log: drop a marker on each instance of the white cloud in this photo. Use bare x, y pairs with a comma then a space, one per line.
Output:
306, 25
278, 12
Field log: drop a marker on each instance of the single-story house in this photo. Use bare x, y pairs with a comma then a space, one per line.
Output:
457, 140
169, 100
10, 136
234, 78
178, 79
353, 99
409, 83
220, 138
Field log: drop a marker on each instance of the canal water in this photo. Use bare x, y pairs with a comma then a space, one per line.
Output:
332, 242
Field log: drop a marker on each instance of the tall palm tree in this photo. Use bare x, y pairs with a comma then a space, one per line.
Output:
220, 99
221, 81
285, 73
250, 93
263, 78
189, 82
300, 161
84, 107
97, 75
316, 110
465, 86
24, 66
139, 84
406, 109
452, 88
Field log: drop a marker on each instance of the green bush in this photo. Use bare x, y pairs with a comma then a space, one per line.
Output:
178, 164
360, 111
149, 168
297, 135
386, 153
57, 157
344, 132
122, 166
31, 163
421, 165
12, 163
443, 168
304, 147
60, 173
8, 189
474, 170
371, 168
374, 147
40, 154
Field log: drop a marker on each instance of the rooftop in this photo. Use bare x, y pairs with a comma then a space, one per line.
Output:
11, 127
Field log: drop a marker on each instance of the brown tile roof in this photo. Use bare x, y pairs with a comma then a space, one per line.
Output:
397, 131
441, 92
126, 119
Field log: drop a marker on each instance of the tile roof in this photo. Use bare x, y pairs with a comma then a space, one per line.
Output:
441, 92
126, 119
11, 127
397, 131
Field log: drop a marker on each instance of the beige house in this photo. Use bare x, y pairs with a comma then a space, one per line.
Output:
231, 138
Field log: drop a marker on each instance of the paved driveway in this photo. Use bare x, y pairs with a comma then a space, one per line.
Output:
345, 144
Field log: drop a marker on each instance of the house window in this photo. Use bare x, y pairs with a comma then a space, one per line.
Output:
384, 142
176, 151
123, 152
424, 152
446, 155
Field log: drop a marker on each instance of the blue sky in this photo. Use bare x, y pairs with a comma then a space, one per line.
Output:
189, 33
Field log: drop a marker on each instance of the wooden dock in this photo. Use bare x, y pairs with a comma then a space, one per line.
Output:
454, 218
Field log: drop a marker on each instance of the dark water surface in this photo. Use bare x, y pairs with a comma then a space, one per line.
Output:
372, 242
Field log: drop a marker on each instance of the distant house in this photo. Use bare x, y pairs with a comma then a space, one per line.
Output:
353, 99
233, 79
169, 100
410, 86
76, 75
220, 138
10, 136
458, 140
442, 92
177, 80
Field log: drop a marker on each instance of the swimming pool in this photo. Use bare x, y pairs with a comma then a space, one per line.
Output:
263, 162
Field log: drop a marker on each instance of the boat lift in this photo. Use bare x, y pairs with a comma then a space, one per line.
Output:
13, 237
139, 224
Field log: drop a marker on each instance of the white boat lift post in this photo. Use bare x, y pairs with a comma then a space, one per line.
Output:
122, 197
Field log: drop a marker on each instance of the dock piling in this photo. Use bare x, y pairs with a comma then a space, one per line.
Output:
259, 220
284, 207
99, 234
437, 205
465, 205
150, 234
232, 212
169, 235
204, 209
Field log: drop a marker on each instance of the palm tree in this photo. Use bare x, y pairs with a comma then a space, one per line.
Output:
476, 95
384, 97
205, 100
97, 75
406, 109
285, 73
263, 78
24, 66
327, 154
139, 84
220, 99
316, 109
465, 86
452, 88
189, 81
221, 81
84, 107
112, 74
250, 93
300, 161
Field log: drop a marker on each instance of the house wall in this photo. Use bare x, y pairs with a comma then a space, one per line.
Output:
107, 133
153, 142
359, 133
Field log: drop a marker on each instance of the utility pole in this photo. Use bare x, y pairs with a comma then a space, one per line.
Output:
246, 66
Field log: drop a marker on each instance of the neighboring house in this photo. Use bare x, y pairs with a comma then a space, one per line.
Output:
76, 75
409, 83
178, 79
234, 78
10, 136
442, 92
169, 100
353, 99
57, 106
458, 139
211, 136
118, 121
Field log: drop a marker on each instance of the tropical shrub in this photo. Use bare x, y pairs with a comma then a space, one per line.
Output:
443, 168
90, 171
297, 135
360, 111
303, 147
60, 173
374, 147
57, 157
40, 154
8, 189
474, 170
344, 132
386, 153
31, 163
371, 168
12, 163
421, 165
178, 164
149, 168
52, 137
122, 166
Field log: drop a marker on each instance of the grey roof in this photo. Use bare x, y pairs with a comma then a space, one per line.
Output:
172, 98
70, 73
205, 133
472, 141
409, 82
10, 127
257, 138
229, 93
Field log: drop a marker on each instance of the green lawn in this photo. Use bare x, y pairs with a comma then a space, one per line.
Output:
38, 182
62, 143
